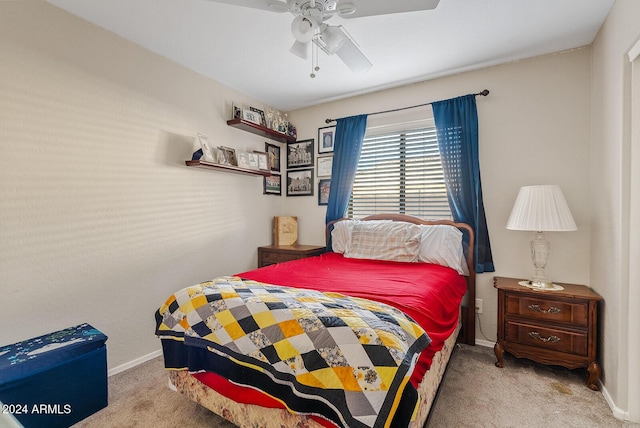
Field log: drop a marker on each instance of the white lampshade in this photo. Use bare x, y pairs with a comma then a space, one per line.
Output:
300, 49
303, 28
541, 208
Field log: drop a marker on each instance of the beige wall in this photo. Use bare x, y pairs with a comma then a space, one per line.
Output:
534, 129
611, 193
100, 221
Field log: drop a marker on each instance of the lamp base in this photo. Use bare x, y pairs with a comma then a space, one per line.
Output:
541, 286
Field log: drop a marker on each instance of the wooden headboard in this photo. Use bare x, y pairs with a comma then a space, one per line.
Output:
468, 333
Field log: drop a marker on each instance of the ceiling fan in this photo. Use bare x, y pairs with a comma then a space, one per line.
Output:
310, 30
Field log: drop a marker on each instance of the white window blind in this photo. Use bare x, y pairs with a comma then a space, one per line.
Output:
400, 172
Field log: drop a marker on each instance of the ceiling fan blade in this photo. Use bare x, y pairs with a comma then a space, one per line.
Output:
353, 57
382, 7
336, 40
270, 5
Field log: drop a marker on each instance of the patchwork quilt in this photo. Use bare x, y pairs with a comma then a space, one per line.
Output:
346, 359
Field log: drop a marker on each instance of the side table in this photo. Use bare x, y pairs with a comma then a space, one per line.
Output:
548, 327
272, 254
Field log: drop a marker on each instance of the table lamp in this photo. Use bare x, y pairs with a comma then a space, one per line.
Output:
541, 208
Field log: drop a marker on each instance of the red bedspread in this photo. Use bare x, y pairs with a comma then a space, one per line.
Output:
428, 293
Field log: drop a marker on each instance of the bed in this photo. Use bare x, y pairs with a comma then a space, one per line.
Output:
358, 336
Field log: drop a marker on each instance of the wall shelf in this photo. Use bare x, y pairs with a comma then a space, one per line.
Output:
228, 168
260, 130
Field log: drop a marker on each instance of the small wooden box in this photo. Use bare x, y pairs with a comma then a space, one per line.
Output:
285, 230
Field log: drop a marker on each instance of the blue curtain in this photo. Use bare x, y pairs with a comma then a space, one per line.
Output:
457, 128
346, 153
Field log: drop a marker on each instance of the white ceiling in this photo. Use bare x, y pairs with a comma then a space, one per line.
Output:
248, 49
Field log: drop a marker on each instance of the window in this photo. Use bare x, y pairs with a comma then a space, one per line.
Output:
400, 172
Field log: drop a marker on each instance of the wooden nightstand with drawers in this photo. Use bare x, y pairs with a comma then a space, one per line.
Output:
548, 327
272, 254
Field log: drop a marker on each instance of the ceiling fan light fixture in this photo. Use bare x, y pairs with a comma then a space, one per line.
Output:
300, 49
303, 29
333, 38
278, 6
345, 9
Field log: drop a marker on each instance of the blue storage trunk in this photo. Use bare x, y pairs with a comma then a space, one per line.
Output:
55, 380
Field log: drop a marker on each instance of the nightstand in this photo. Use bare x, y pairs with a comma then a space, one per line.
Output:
548, 327
272, 254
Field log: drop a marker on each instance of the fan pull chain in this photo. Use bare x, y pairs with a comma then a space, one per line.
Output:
314, 59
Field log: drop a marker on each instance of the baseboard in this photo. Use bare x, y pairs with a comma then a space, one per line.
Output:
485, 343
136, 362
618, 413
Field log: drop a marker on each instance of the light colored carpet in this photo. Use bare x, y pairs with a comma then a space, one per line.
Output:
474, 393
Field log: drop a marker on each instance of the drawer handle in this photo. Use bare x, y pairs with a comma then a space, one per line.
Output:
551, 310
552, 339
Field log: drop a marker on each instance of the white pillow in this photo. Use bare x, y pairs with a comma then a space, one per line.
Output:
384, 241
442, 244
341, 233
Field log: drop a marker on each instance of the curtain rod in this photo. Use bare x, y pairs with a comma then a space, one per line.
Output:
484, 93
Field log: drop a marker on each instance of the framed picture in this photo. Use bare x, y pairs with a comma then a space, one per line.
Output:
273, 153
263, 160
300, 183
251, 116
324, 166
243, 160
207, 151
236, 111
323, 191
263, 120
227, 156
326, 139
300, 154
272, 185
253, 160
220, 157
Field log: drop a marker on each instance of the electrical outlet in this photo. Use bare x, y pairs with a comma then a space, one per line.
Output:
478, 306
